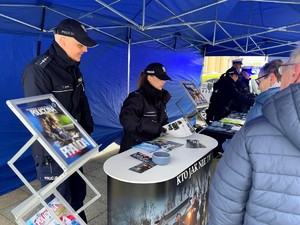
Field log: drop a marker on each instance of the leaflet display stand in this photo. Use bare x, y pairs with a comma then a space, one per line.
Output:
196, 99
66, 142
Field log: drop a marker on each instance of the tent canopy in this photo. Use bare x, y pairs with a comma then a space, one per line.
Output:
132, 34
213, 27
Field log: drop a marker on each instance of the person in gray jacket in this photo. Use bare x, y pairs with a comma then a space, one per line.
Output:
268, 82
257, 181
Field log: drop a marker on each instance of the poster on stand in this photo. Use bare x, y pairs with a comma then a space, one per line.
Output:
194, 93
58, 131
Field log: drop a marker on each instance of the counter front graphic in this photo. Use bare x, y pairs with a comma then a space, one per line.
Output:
161, 195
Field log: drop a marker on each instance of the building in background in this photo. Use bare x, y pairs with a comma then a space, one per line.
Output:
215, 66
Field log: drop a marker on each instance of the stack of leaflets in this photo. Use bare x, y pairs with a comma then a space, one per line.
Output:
43, 217
157, 144
179, 128
219, 126
235, 118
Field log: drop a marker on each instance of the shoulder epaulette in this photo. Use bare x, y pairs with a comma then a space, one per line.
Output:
43, 61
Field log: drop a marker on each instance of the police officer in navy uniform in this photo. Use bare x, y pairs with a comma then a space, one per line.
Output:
237, 65
57, 72
226, 97
242, 84
144, 111
244, 87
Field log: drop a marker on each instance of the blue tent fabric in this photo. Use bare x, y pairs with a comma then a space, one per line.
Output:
213, 27
176, 33
105, 74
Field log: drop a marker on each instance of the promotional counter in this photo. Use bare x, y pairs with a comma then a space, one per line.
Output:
160, 193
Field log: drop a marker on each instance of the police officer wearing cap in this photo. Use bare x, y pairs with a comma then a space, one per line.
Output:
242, 83
237, 65
57, 72
144, 111
226, 97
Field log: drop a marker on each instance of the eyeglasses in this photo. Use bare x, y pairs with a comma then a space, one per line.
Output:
287, 64
258, 79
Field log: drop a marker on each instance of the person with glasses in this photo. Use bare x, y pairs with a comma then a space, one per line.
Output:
268, 82
257, 180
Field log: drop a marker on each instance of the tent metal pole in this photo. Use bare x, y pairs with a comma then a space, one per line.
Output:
143, 14
269, 30
231, 38
128, 60
117, 13
187, 13
39, 44
174, 14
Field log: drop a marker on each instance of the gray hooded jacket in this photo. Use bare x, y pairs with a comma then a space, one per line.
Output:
257, 181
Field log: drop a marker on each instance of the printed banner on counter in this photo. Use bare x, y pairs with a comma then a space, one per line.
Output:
183, 198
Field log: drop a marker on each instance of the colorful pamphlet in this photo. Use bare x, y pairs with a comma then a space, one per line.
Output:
142, 167
43, 217
157, 144
147, 147
235, 118
179, 128
141, 156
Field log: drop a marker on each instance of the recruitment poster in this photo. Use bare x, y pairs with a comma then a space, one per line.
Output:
194, 92
57, 128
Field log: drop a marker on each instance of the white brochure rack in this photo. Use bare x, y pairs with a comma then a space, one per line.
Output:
71, 151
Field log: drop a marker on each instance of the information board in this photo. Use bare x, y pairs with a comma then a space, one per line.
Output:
56, 130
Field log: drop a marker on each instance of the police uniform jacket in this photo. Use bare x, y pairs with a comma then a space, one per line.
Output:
257, 180
54, 72
244, 87
142, 115
225, 99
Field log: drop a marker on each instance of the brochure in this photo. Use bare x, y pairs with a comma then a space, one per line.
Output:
147, 147
43, 217
142, 167
179, 128
193, 92
141, 156
157, 144
165, 144
235, 118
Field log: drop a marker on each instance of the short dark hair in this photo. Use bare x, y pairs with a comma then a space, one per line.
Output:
272, 67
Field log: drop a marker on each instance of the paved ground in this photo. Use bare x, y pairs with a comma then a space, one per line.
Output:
93, 170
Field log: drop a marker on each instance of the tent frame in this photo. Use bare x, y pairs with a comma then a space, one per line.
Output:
199, 42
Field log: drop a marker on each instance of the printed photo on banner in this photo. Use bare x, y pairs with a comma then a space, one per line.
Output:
58, 129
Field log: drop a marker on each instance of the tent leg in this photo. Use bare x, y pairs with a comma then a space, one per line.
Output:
128, 61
